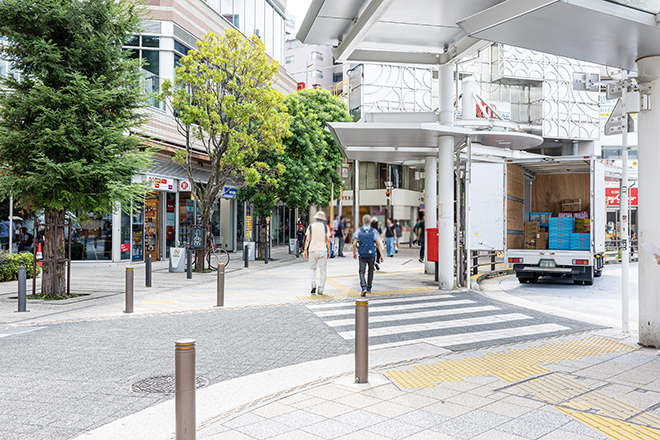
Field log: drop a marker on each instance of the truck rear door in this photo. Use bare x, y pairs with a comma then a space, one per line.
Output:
487, 190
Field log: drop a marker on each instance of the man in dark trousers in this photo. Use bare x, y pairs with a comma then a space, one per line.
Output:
366, 243
340, 235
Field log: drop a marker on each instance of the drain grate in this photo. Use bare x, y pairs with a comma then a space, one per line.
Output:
163, 384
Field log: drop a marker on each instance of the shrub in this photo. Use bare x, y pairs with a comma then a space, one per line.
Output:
9, 264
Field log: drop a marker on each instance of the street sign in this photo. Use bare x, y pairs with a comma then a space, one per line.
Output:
615, 122
196, 238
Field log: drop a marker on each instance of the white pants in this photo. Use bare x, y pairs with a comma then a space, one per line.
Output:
318, 259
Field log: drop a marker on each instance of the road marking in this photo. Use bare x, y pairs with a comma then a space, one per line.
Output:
378, 301
433, 303
414, 315
411, 328
472, 337
18, 331
158, 301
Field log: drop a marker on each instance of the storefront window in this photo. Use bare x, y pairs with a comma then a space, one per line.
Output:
186, 215
137, 234
125, 243
92, 238
170, 222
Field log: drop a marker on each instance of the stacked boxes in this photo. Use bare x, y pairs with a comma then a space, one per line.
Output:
561, 230
580, 242
572, 205
582, 225
541, 217
578, 214
536, 237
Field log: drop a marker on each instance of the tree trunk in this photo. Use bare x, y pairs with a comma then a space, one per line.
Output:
54, 278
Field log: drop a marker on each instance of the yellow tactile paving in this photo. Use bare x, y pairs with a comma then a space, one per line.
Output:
616, 429
511, 366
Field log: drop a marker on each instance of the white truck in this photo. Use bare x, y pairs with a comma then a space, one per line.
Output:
503, 195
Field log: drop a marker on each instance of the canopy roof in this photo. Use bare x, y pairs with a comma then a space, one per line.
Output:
429, 32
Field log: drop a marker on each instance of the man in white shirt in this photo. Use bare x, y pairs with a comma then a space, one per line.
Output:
317, 247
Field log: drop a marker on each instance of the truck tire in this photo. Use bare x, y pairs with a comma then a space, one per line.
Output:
590, 281
523, 280
598, 273
577, 282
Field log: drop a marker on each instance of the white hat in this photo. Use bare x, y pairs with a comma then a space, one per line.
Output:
320, 215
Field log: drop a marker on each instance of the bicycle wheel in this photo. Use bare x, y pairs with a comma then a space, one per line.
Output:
222, 257
211, 259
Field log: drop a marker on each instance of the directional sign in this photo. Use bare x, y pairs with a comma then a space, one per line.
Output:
615, 122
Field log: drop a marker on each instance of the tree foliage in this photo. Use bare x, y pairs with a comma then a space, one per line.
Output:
227, 110
65, 116
311, 157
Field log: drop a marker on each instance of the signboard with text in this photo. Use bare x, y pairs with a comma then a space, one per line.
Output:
613, 196
161, 183
196, 238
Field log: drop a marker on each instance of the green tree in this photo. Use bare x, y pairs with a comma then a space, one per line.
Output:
229, 113
65, 118
311, 156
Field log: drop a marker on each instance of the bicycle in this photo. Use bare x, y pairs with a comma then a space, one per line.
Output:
214, 256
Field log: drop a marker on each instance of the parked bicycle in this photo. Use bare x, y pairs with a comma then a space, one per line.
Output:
213, 256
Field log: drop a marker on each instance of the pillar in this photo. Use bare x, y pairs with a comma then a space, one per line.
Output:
430, 202
356, 195
445, 201
648, 212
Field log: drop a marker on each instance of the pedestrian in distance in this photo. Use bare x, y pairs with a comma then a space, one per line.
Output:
390, 235
379, 256
340, 236
317, 248
365, 243
399, 234
421, 238
415, 232
4, 232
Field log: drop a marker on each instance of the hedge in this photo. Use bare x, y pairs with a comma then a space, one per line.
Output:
9, 264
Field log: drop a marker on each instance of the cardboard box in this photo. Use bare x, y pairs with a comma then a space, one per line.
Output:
571, 205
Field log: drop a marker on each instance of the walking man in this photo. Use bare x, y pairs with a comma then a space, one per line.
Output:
340, 235
399, 234
365, 242
421, 237
317, 247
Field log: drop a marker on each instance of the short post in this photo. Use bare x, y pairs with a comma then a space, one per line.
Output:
22, 291
221, 286
129, 290
266, 251
492, 261
246, 255
188, 263
362, 341
147, 268
436, 271
184, 388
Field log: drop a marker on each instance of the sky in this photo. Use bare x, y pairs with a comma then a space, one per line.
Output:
298, 8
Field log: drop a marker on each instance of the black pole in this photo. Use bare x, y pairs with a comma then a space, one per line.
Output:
189, 263
266, 251
436, 271
246, 255
147, 268
22, 298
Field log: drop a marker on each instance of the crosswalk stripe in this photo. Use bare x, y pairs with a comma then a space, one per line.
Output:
483, 336
414, 315
376, 308
379, 301
398, 329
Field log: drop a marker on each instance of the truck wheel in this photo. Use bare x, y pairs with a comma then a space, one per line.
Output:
598, 273
577, 282
590, 281
533, 280
522, 280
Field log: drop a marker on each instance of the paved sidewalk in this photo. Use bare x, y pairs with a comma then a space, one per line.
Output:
596, 385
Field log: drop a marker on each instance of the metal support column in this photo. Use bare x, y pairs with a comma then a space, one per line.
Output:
361, 341
129, 290
623, 208
221, 286
430, 202
356, 195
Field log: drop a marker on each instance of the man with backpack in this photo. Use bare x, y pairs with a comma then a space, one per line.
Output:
317, 247
365, 243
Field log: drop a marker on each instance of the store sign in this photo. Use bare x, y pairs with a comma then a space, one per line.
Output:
196, 238
229, 192
613, 198
176, 255
161, 183
125, 247
184, 185
248, 227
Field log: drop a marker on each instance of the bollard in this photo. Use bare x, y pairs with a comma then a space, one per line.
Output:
361, 341
22, 291
221, 286
188, 263
297, 249
436, 271
184, 389
246, 256
129, 290
266, 252
147, 268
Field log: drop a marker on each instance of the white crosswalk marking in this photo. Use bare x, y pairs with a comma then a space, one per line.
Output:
415, 315
376, 301
398, 308
398, 329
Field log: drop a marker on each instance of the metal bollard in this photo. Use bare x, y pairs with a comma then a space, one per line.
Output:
221, 286
266, 252
184, 388
436, 271
246, 256
361, 341
189, 263
22, 291
129, 290
147, 268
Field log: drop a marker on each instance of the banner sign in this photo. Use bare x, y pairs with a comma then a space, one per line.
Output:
613, 196
161, 183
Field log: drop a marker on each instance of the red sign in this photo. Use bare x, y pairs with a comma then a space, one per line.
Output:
613, 196
301, 85
489, 113
171, 204
125, 247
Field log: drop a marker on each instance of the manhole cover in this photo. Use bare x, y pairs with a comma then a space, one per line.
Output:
163, 384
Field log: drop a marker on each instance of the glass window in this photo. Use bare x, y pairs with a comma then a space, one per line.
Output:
290, 59
151, 61
259, 19
249, 17
150, 41
318, 74
180, 47
92, 239
317, 55
337, 77
239, 15
278, 38
125, 243
137, 234
268, 31
133, 41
